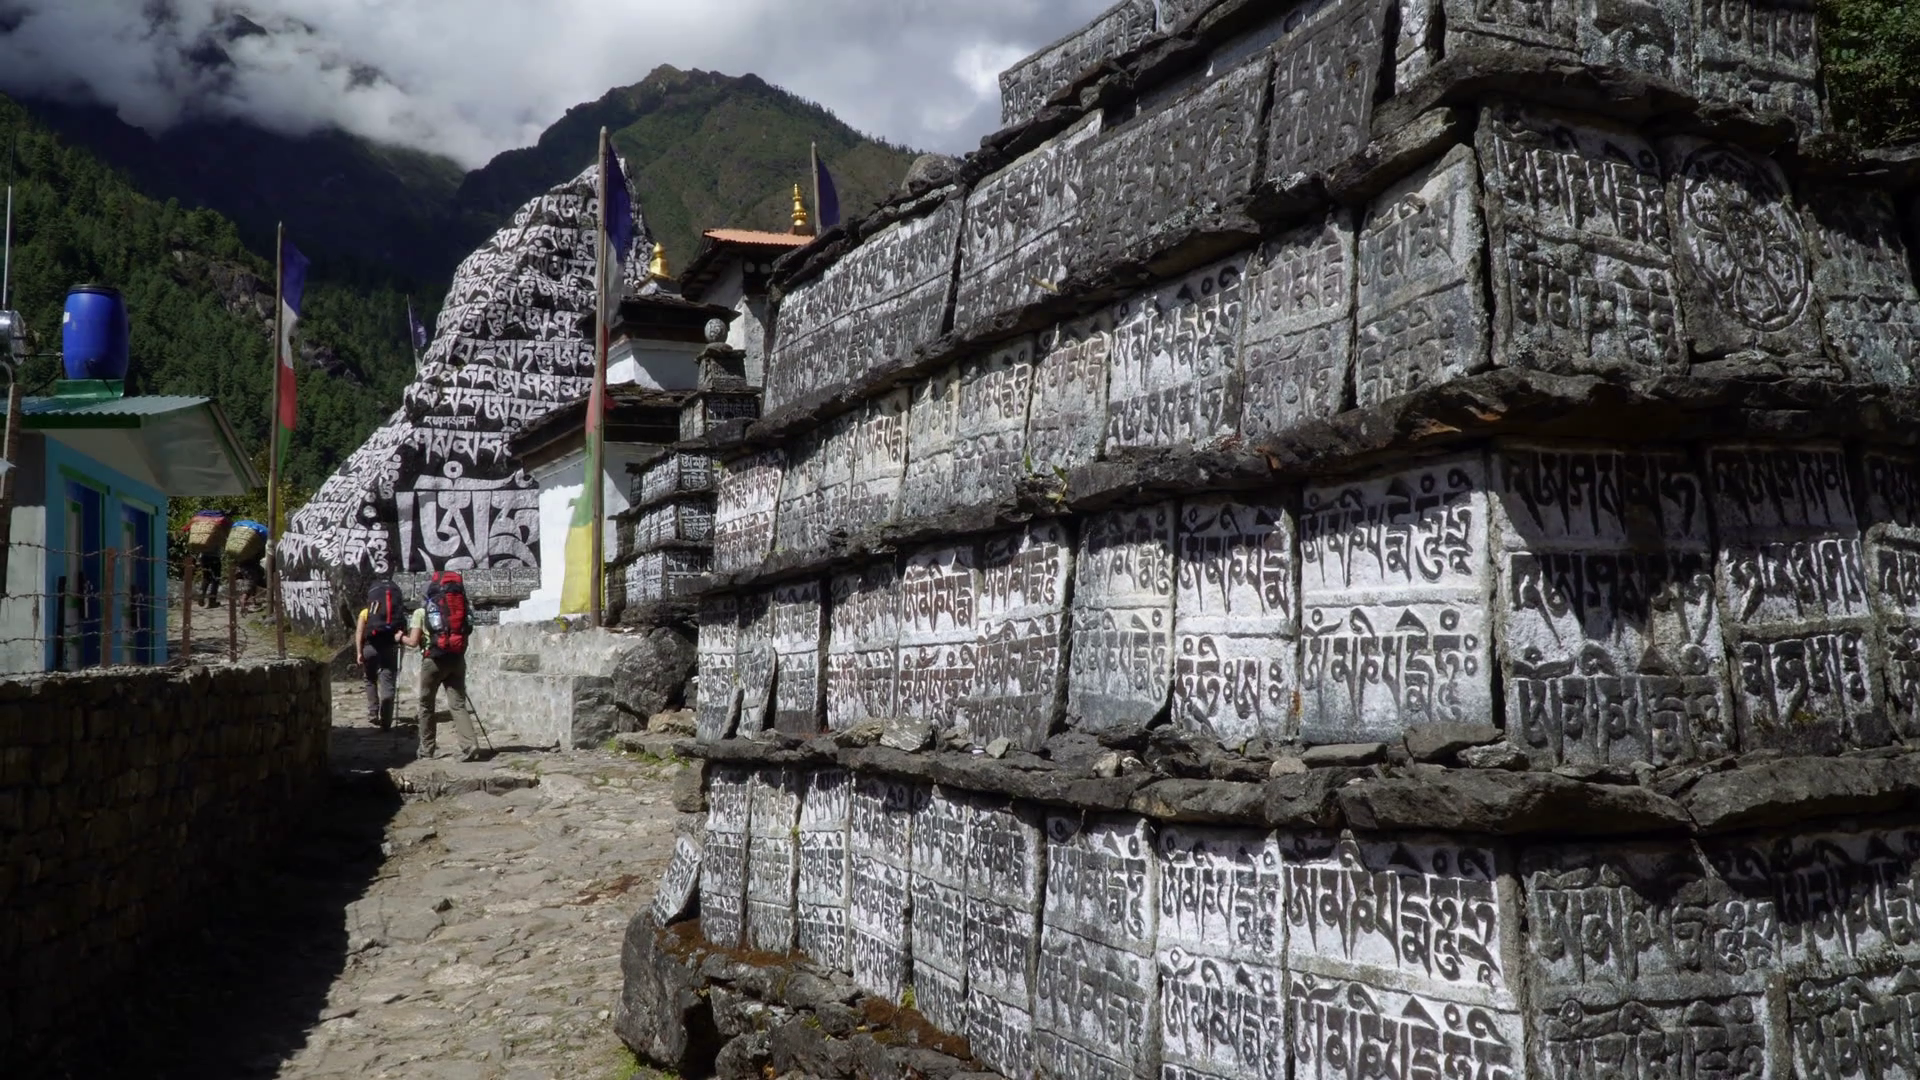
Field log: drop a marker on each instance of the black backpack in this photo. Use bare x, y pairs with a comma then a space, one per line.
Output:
386, 609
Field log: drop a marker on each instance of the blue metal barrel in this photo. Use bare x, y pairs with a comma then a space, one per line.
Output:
93, 333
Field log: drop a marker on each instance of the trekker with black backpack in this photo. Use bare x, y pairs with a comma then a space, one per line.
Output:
376, 641
440, 630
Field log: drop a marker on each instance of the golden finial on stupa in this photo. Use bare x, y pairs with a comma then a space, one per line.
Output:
657, 269
800, 224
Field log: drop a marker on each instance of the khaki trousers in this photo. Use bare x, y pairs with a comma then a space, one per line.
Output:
449, 672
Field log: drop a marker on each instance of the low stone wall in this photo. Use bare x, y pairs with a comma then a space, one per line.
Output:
548, 686
127, 799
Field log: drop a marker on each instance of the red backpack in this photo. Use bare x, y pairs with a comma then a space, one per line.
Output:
449, 620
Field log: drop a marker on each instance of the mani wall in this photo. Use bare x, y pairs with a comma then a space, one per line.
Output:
1353, 539
435, 488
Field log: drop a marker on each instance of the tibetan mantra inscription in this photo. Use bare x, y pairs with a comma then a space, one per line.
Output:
1793, 591
1173, 375
1222, 988
1869, 307
1395, 587
863, 647
1019, 668
939, 590
1020, 230
928, 487
939, 909
723, 869
1004, 856
743, 522
1612, 644
990, 425
1235, 621
678, 885
1420, 314
880, 815
797, 638
773, 859
820, 894
1120, 667
718, 701
1070, 383
755, 661
1095, 994
1297, 351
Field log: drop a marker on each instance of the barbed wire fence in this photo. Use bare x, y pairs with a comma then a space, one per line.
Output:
114, 606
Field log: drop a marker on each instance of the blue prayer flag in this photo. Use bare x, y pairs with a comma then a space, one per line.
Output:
829, 208
416, 331
618, 216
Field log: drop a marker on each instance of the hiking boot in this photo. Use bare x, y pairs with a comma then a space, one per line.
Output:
470, 755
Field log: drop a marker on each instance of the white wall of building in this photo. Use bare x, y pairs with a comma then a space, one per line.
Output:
23, 644
657, 365
562, 484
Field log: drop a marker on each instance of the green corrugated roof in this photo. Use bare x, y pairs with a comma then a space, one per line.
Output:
128, 408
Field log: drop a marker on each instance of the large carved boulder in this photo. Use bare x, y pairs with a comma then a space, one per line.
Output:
435, 488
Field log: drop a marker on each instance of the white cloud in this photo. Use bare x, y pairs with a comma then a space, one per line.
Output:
471, 78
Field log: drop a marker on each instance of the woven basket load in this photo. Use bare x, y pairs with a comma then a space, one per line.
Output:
247, 541
207, 531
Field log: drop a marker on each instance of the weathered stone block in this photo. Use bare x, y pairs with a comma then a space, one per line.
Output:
679, 885
1337, 1022
755, 662
1326, 70
1022, 224
821, 886
1744, 265
799, 638
1019, 674
716, 659
879, 462
723, 870
1762, 54
748, 504
927, 488
1611, 648
773, 859
1173, 372
991, 423
803, 522
1236, 621
1396, 583
879, 884
863, 647
1421, 302
939, 909
1869, 307
1582, 249
1296, 355
1068, 423
1026, 86
1794, 600
874, 306
1121, 661
939, 589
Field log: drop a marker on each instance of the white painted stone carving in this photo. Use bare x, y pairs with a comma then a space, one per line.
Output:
1236, 621
1296, 355
1019, 673
1120, 666
1173, 374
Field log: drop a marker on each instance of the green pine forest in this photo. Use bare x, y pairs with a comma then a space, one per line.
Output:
707, 150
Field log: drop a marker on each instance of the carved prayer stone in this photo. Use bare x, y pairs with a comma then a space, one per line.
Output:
928, 487
939, 909
743, 524
990, 424
1121, 660
1325, 76
1762, 54
864, 646
1026, 86
1296, 355
1794, 600
797, 642
1236, 622
755, 662
1003, 872
1611, 641
1395, 586
723, 870
718, 703
1220, 932
1095, 994
1893, 579
1421, 304
681, 883
803, 524
1577, 223
1021, 225
1067, 421
821, 889
874, 306
939, 588
1173, 372
1870, 309
1019, 673
1338, 1023
1160, 175
773, 860
674, 474
1743, 260
879, 883
879, 456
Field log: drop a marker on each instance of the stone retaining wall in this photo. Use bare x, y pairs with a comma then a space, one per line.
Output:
128, 798
1374, 539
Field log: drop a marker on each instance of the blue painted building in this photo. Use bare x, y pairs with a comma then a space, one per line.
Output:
96, 471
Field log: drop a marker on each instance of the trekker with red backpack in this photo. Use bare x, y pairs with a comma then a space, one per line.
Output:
440, 629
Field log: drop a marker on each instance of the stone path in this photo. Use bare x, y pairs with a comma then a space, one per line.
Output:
488, 948
473, 936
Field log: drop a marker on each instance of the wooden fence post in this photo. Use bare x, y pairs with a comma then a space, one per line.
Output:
108, 564
233, 614
186, 608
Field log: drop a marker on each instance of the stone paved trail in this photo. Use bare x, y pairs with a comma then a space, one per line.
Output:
489, 945
470, 936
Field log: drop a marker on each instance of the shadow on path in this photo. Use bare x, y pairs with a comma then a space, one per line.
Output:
241, 996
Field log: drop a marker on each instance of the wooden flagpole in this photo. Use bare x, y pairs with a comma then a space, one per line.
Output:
276, 449
597, 400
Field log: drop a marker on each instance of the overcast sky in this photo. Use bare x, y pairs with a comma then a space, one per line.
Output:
471, 78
